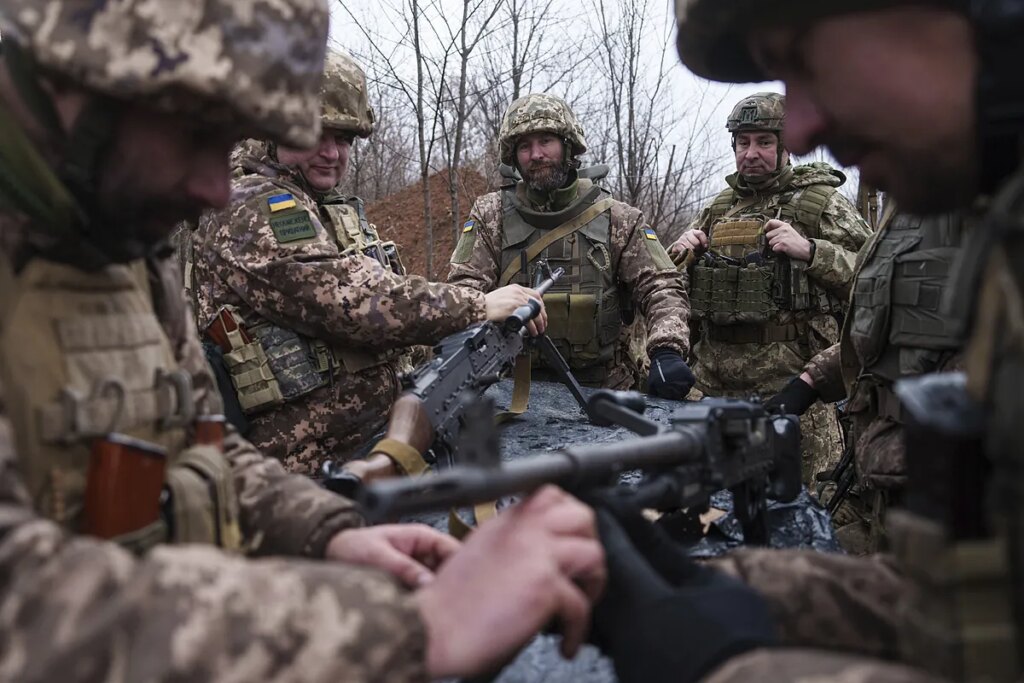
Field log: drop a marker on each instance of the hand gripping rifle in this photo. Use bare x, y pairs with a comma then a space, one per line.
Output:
711, 445
428, 418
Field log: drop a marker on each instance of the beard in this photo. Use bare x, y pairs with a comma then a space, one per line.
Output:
546, 177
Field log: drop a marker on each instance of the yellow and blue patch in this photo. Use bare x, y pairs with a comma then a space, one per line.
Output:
468, 227
280, 202
650, 234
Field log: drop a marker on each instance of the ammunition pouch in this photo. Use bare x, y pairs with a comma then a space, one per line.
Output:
270, 365
200, 505
729, 294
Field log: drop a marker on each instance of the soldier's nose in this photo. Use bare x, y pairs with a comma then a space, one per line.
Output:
805, 123
210, 183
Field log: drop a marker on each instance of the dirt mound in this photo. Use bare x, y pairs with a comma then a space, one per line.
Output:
399, 217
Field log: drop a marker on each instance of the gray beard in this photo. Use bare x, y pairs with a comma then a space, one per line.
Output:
547, 179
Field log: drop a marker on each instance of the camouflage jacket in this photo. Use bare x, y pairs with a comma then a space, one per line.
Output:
726, 368
656, 292
306, 285
75, 608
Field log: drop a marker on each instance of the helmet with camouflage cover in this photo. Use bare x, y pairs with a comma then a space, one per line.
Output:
346, 104
760, 111
254, 66
535, 114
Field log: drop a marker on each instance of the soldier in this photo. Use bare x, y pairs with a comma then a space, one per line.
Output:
321, 303
895, 328
769, 265
118, 118
926, 97
614, 262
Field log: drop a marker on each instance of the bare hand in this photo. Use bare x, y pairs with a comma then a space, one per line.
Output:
503, 302
538, 561
783, 238
694, 240
409, 552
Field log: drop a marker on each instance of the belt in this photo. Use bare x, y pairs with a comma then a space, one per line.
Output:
755, 334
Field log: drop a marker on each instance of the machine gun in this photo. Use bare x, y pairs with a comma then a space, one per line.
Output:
431, 413
711, 445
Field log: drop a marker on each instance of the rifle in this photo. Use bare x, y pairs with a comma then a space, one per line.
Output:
431, 413
711, 445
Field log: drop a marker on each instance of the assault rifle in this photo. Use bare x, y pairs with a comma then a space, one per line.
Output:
711, 445
431, 414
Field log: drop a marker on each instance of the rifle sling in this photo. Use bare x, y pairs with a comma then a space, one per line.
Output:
549, 238
409, 460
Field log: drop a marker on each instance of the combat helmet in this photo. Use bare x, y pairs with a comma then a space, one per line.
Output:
346, 104
537, 113
255, 66
763, 111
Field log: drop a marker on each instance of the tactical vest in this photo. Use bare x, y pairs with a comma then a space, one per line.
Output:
742, 282
270, 365
83, 357
897, 325
585, 314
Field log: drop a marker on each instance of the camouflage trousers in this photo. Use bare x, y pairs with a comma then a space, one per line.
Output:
837, 617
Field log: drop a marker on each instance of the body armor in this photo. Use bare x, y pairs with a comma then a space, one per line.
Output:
740, 281
897, 327
270, 365
83, 356
585, 315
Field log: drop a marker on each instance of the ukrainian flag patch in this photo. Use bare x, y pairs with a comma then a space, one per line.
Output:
468, 227
280, 202
650, 234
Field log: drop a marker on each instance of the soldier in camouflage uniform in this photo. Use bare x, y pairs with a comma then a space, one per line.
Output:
768, 265
927, 98
895, 328
324, 303
615, 265
118, 118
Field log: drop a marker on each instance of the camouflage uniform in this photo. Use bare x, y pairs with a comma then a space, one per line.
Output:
297, 279
74, 607
614, 262
950, 604
883, 340
759, 342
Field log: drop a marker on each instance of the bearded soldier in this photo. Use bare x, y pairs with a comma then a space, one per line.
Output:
304, 299
615, 265
117, 122
895, 328
769, 264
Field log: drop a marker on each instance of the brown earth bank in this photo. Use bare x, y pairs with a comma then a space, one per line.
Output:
399, 217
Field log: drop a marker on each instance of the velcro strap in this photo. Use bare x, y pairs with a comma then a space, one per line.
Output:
520, 390
736, 233
755, 334
408, 459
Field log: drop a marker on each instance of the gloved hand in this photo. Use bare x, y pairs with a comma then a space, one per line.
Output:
797, 397
664, 618
670, 376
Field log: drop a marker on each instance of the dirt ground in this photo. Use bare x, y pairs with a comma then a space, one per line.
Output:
399, 217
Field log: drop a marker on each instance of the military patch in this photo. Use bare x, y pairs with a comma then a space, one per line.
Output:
662, 261
292, 226
281, 202
464, 249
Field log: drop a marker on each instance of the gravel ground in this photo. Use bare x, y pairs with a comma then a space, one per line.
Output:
552, 422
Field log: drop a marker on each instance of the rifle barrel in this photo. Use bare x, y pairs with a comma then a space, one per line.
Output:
571, 468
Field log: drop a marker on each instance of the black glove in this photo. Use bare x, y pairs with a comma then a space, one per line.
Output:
664, 618
670, 376
796, 397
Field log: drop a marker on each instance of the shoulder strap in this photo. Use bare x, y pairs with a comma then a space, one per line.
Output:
563, 230
809, 206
